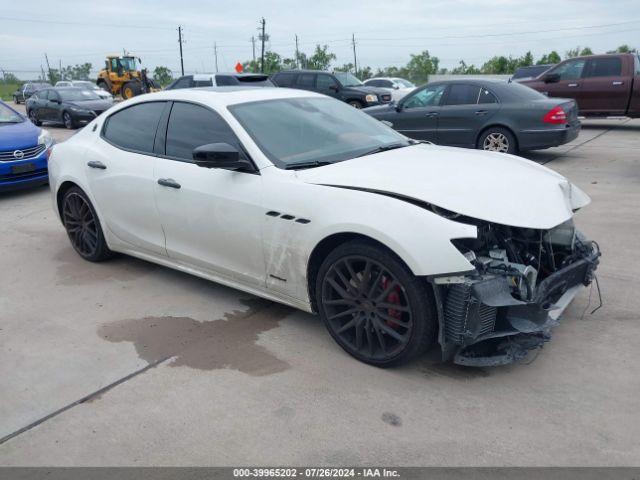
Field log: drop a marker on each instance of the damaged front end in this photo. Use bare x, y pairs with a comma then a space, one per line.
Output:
523, 280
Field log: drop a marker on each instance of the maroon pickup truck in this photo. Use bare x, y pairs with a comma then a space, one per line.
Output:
602, 85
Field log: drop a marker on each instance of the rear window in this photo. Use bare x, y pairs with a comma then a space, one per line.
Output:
203, 83
604, 67
284, 79
255, 80
225, 81
134, 128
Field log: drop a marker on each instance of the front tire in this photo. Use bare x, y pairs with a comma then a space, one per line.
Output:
130, 90
83, 226
33, 116
373, 306
356, 104
497, 139
68, 121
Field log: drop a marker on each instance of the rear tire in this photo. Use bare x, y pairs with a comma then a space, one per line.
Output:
83, 226
373, 306
497, 139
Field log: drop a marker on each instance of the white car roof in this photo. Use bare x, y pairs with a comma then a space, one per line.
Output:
222, 97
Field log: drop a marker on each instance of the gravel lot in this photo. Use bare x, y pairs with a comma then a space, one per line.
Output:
237, 380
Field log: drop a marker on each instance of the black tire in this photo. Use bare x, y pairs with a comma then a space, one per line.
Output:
373, 306
33, 116
16, 101
497, 139
83, 226
356, 104
68, 121
130, 90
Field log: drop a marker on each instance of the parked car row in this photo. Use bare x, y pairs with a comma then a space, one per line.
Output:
86, 85
70, 106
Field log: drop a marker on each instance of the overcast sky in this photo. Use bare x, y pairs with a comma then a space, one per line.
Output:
386, 31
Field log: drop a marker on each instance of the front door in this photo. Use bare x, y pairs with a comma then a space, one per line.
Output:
465, 110
120, 170
327, 85
417, 114
570, 82
212, 218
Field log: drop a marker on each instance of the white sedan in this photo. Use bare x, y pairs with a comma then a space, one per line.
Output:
398, 87
299, 198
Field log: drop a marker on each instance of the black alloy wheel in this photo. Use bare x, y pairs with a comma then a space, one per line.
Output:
68, 121
83, 228
373, 306
33, 116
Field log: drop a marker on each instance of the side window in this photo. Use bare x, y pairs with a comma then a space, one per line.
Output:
225, 81
486, 97
134, 128
325, 82
42, 94
284, 79
385, 84
462, 95
53, 95
114, 64
203, 83
373, 83
305, 80
28, 87
637, 64
427, 97
604, 67
571, 70
192, 126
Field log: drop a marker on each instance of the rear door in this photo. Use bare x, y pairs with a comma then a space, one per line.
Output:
120, 170
465, 110
212, 217
38, 103
604, 88
418, 113
306, 81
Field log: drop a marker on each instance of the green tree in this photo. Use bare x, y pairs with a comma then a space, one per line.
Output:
75, 72
420, 67
624, 49
578, 52
464, 69
551, 57
9, 78
321, 58
162, 75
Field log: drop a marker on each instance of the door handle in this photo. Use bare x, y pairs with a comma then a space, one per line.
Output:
617, 83
168, 182
482, 112
96, 164
572, 85
431, 114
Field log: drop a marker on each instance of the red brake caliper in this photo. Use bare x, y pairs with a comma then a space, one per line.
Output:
394, 298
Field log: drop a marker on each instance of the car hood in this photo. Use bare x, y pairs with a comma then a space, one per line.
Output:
380, 109
489, 186
91, 104
17, 136
375, 90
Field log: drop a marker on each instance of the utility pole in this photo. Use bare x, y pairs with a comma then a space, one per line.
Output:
253, 43
44, 77
263, 38
215, 52
297, 53
355, 61
180, 42
48, 68
60, 69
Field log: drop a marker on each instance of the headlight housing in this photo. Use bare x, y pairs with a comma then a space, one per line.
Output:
45, 138
371, 98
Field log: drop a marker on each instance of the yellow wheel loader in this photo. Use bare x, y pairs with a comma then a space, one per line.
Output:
122, 77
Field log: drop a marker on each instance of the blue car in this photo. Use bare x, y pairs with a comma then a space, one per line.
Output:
24, 151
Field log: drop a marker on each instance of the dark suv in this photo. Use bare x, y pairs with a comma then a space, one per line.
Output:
341, 85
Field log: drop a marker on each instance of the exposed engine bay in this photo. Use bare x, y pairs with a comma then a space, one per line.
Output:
523, 280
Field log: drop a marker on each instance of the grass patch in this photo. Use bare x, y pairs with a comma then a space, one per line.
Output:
7, 89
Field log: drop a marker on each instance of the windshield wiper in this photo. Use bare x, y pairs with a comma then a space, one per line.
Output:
384, 148
311, 164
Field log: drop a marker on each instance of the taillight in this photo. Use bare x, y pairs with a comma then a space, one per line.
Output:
556, 116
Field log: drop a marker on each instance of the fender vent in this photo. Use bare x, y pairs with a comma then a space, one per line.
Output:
464, 317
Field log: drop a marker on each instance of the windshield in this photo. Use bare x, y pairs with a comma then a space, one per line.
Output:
347, 79
323, 130
85, 85
405, 83
128, 63
7, 115
77, 95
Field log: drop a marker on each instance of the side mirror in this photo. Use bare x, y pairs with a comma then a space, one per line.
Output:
551, 78
335, 88
221, 155
398, 106
396, 87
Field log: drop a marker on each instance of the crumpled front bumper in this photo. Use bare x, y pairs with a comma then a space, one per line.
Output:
482, 324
